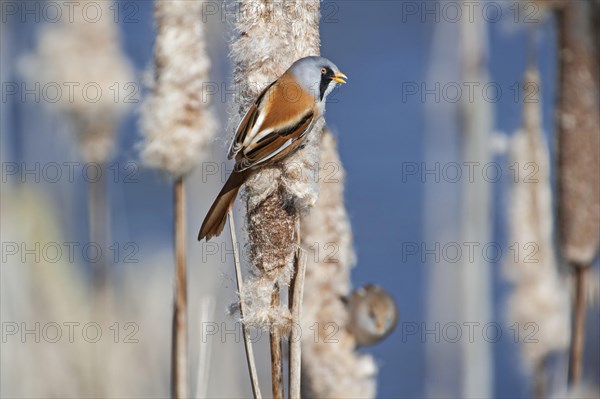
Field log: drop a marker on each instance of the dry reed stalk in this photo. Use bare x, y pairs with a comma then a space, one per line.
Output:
539, 382
179, 353
296, 298
276, 350
207, 312
578, 147
178, 126
331, 366
99, 233
240, 287
270, 36
539, 294
98, 227
578, 328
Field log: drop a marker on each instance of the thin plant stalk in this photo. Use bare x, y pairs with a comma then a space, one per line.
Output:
207, 312
539, 381
295, 303
240, 287
98, 229
578, 331
276, 352
179, 361
98, 236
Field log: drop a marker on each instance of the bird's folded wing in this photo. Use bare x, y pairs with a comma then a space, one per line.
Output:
247, 123
275, 144
282, 114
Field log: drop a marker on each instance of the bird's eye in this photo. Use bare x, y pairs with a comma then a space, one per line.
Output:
323, 71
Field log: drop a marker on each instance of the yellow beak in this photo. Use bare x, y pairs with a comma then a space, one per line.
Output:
339, 77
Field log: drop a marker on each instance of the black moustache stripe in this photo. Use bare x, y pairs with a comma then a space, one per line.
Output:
325, 81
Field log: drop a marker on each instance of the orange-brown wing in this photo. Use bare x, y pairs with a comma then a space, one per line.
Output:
247, 123
275, 145
284, 114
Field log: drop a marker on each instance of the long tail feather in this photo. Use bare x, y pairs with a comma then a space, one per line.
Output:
214, 222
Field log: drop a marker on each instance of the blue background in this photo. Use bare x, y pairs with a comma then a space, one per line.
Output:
380, 48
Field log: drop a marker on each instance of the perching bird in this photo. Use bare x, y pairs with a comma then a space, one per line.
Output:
274, 127
373, 314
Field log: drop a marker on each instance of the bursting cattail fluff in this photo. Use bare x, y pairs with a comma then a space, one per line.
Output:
83, 59
539, 300
270, 36
331, 366
177, 123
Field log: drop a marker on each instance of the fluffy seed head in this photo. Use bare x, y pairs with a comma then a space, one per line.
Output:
83, 59
176, 119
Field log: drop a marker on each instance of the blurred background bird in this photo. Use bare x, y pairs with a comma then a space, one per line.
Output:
373, 314
274, 127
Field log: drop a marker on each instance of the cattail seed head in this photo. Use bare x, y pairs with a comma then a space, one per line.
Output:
83, 58
270, 36
177, 122
539, 298
578, 136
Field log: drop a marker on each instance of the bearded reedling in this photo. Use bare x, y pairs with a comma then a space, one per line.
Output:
274, 127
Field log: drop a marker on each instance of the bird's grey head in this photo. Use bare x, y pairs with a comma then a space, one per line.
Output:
317, 75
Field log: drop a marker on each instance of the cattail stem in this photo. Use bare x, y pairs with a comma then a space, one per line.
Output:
539, 381
276, 354
295, 304
179, 361
240, 287
578, 331
207, 312
98, 230
98, 236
